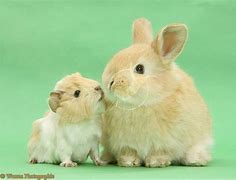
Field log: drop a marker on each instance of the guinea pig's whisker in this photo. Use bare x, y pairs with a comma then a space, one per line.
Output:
68, 94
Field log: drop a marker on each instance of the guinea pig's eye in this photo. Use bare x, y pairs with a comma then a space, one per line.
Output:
76, 93
139, 69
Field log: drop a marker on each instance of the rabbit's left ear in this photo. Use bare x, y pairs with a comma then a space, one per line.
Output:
142, 31
170, 41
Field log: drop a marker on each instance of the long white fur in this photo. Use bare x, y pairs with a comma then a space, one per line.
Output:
71, 140
71, 131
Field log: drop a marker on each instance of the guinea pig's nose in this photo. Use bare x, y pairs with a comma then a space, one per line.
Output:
98, 88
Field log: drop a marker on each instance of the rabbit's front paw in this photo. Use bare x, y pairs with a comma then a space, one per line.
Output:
157, 161
129, 161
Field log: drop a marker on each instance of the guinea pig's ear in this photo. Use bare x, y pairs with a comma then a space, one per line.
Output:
170, 42
54, 100
142, 31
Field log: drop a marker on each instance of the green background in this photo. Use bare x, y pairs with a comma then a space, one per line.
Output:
42, 41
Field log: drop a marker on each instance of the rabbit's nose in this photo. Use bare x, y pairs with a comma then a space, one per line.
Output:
111, 83
121, 82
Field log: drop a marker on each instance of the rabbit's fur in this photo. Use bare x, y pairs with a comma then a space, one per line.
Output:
155, 116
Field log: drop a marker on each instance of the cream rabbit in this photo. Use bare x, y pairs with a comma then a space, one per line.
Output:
72, 129
155, 115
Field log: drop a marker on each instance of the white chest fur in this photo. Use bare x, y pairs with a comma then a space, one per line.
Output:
79, 138
61, 142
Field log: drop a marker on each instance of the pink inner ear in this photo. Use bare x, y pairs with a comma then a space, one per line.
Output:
169, 42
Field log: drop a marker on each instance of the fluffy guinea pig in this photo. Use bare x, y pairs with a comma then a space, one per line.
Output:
71, 131
155, 116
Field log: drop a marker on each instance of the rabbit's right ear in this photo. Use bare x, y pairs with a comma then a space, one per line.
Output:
54, 100
142, 31
170, 42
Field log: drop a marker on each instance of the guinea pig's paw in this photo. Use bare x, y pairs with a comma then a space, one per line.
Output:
108, 157
68, 164
157, 161
129, 161
99, 162
33, 161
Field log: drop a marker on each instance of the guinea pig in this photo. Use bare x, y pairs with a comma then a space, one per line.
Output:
71, 130
155, 116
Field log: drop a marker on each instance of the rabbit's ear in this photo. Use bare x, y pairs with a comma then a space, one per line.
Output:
170, 42
142, 31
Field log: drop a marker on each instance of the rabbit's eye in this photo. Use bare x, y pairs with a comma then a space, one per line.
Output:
139, 69
77, 93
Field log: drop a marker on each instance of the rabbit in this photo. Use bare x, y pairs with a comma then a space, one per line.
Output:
71, 130
154, 114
